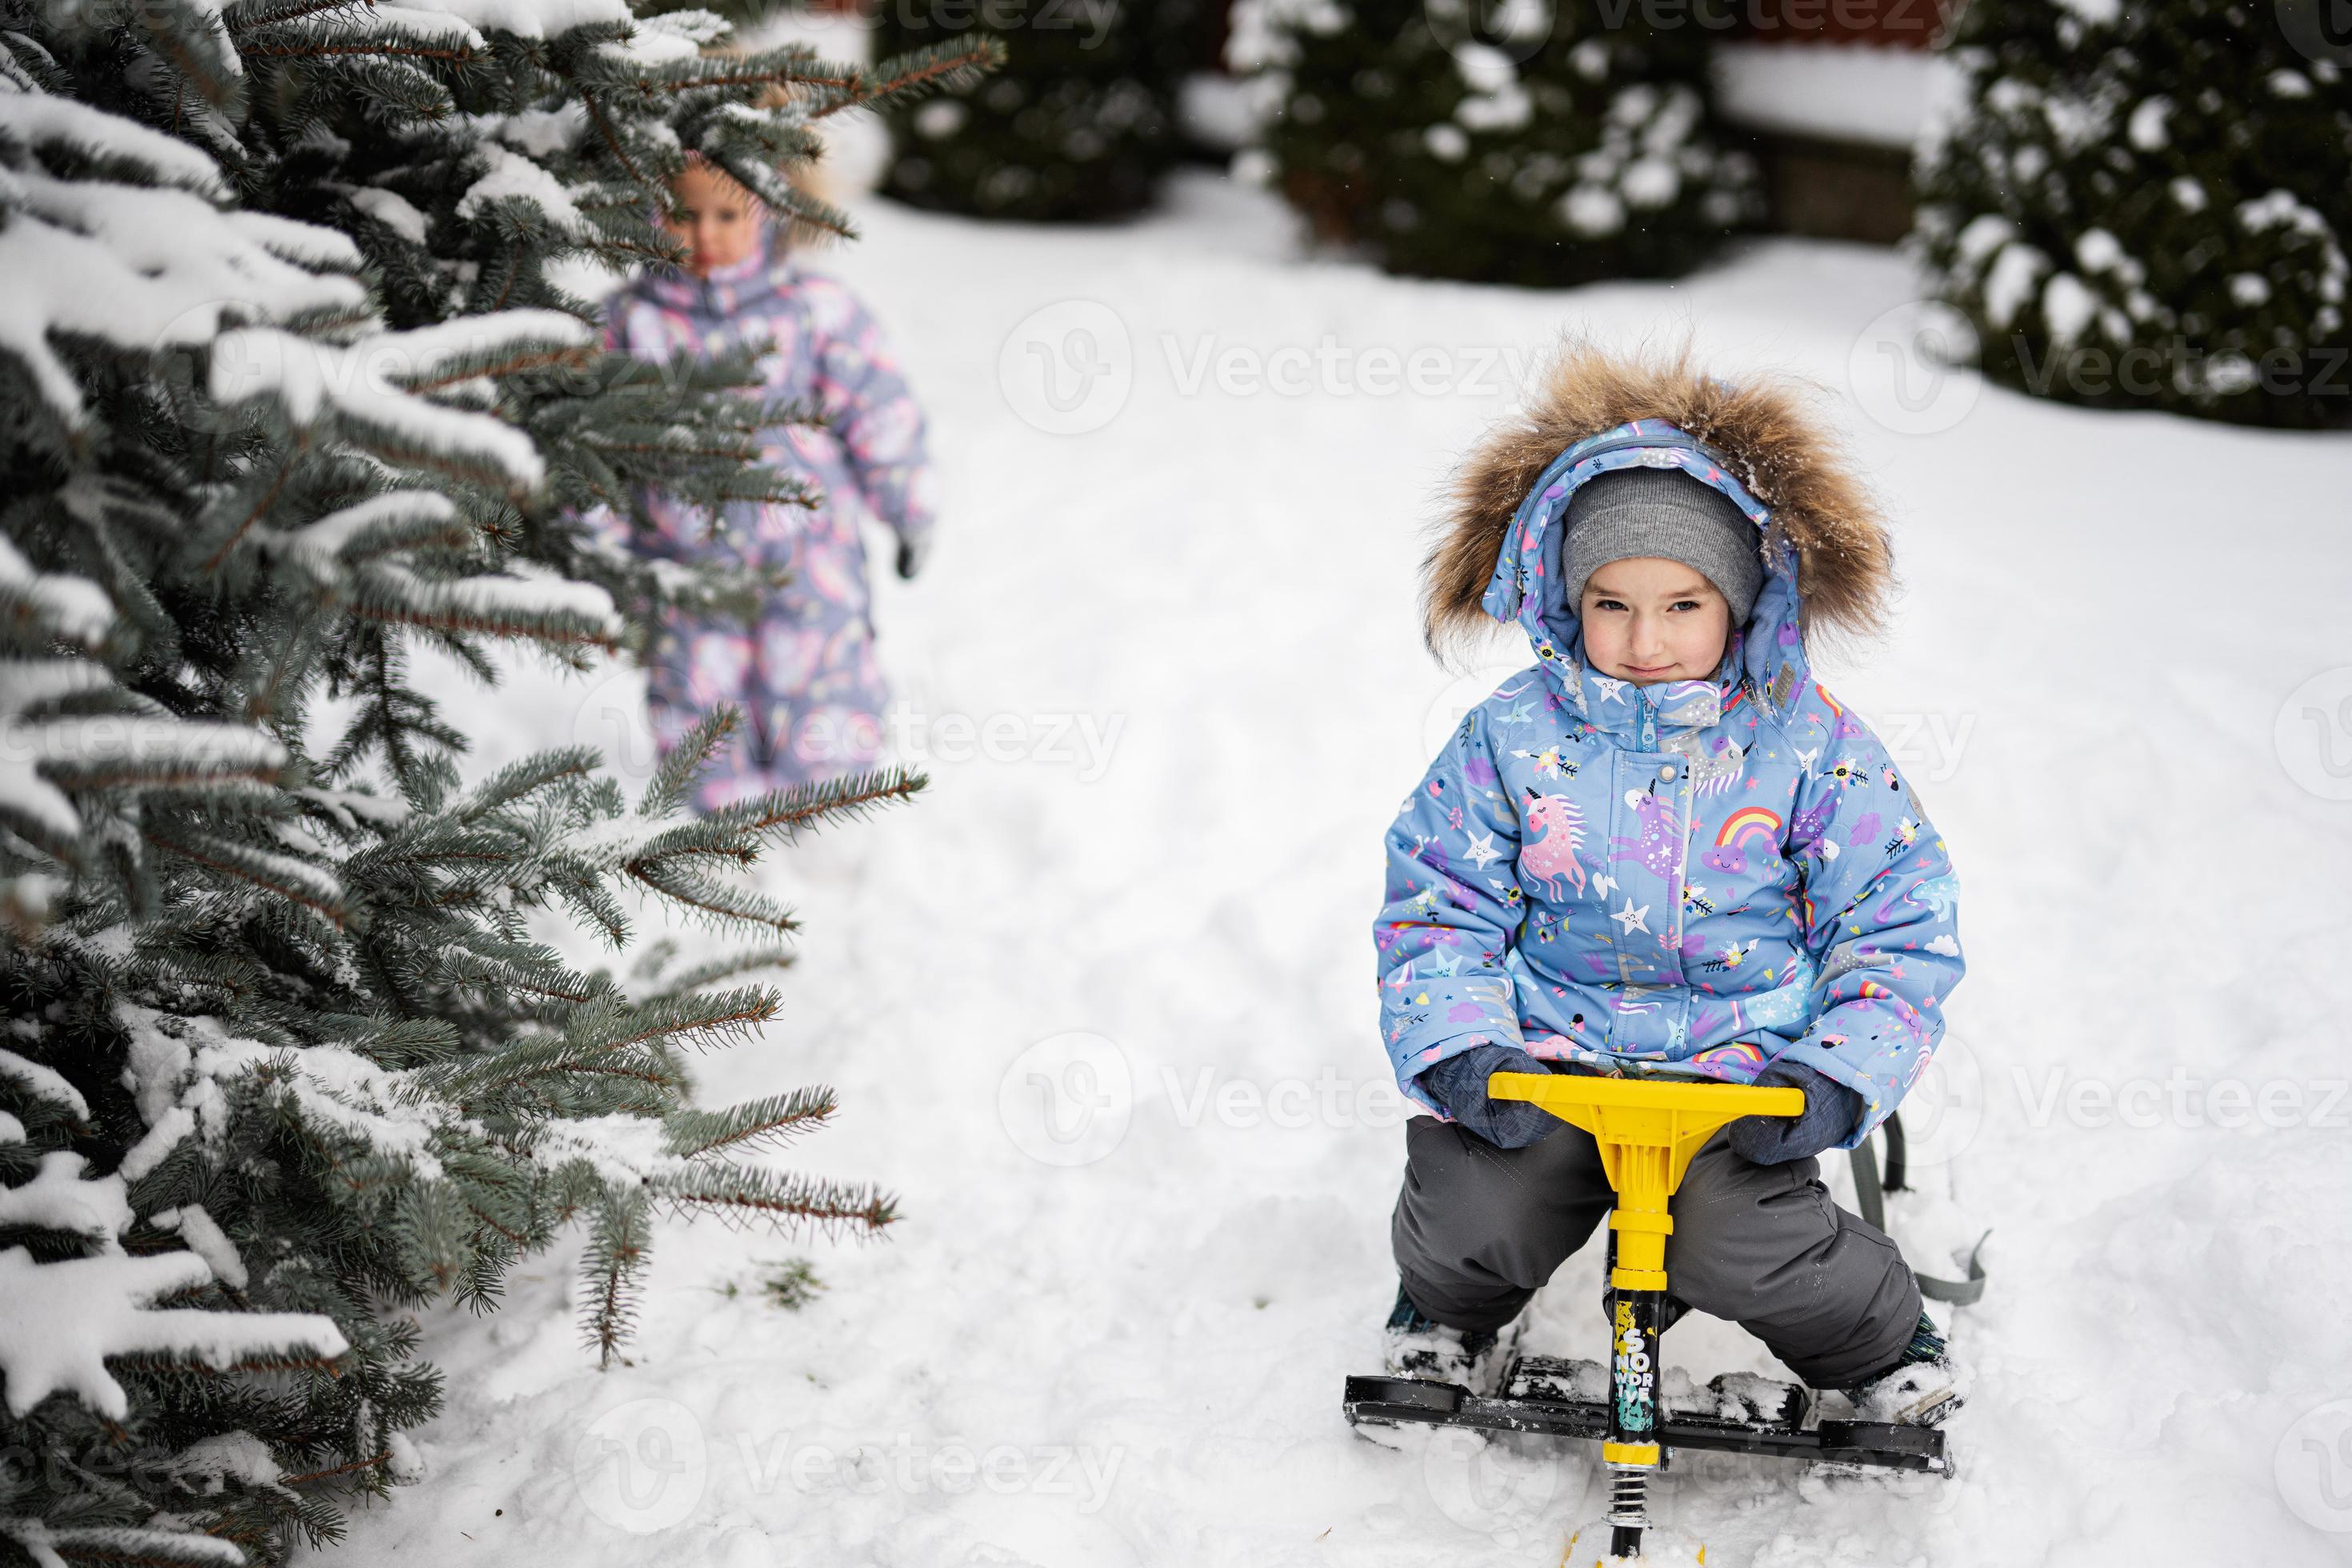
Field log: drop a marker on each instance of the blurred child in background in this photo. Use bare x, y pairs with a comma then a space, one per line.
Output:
803, 671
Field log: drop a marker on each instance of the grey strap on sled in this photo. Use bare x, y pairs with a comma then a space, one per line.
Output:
1869, 1190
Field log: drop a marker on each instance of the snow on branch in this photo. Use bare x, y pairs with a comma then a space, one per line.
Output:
304, 244
513, 178
37, 119
183, 1077
474, 346
100, 750
146, 270
294, 879
58, 1198
528, 18
59, 1321
362, 383
675, 35
206, 1240
548, 609
48, 1545
319, 546
73, 609
43, 1083
423, 23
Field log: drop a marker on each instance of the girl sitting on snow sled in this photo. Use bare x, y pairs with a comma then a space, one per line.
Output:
1662, 848
804, 672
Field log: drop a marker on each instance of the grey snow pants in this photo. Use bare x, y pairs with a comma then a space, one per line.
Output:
1477, 1230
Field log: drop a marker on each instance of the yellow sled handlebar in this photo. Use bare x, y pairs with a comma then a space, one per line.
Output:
1647, 1131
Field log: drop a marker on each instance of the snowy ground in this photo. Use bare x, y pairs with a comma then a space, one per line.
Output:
1136, 1265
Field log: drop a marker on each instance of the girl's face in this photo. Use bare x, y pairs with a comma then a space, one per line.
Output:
717, 220
1647, 620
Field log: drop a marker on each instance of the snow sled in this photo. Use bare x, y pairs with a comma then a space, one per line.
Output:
1647, 1129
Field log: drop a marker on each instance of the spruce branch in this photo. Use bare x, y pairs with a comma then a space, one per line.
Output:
814, 805
618, 1241
745, 1196
757, 1124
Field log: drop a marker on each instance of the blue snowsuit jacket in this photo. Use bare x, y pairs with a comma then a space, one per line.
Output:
1696, 878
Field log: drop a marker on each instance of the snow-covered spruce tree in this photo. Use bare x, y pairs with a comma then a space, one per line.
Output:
2145, 206
1078, 126
1565, 142
289, 394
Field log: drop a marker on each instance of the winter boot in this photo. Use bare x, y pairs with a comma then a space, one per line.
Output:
1921, 1389
1417, 1346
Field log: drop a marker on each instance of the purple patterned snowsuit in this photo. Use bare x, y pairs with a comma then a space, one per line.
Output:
805, 673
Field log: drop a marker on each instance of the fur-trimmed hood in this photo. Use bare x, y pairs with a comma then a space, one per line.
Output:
1769, 433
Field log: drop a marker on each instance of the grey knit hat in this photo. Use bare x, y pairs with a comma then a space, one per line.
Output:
1666, 513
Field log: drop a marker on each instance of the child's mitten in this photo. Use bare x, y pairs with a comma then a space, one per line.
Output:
911, 552
1831, 1112
1459, 1084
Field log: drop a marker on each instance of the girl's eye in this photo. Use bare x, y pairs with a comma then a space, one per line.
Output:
1685, 603
1607, 605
